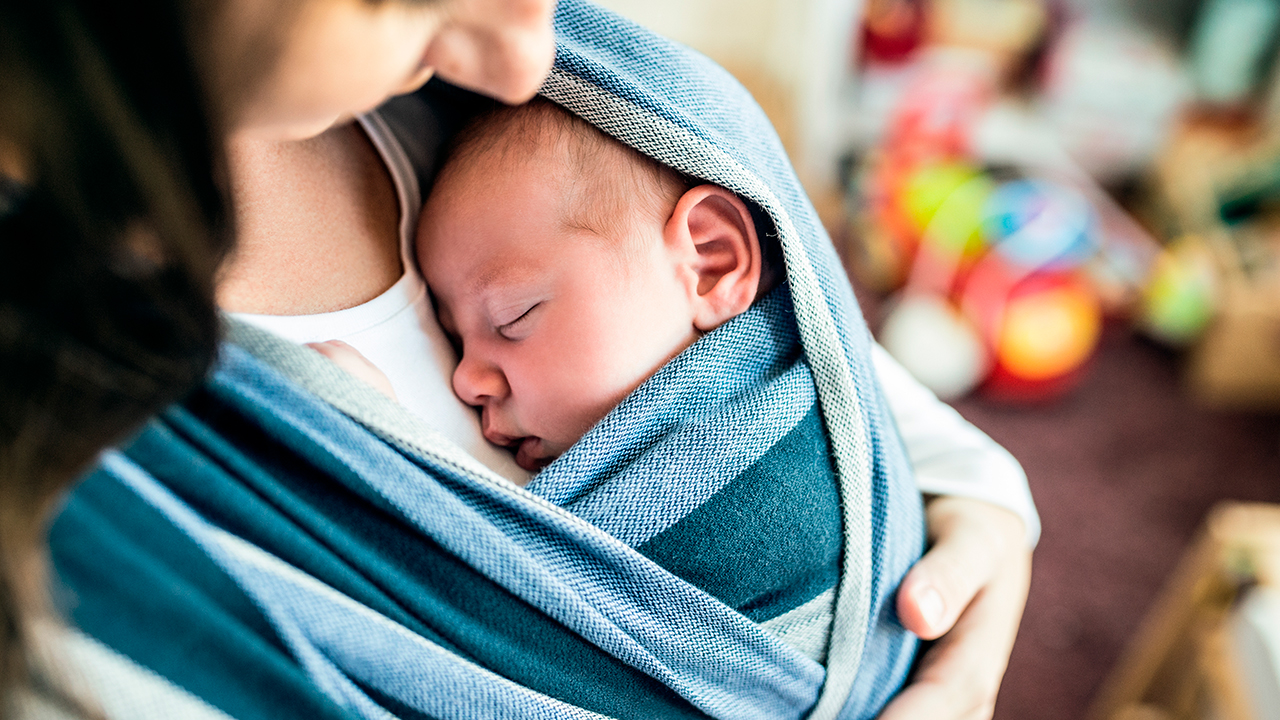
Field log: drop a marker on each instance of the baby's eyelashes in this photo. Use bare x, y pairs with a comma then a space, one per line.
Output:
518, 328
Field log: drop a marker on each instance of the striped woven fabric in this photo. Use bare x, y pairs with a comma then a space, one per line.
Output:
290, 543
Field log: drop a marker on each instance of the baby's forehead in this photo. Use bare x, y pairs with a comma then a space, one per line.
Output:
590, 180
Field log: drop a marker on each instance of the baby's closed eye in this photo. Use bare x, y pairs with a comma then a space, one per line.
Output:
518, 327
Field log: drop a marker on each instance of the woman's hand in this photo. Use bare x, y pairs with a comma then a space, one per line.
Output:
972, 586
350, 359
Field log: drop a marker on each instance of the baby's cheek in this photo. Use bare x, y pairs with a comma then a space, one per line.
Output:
585, 393
584, 372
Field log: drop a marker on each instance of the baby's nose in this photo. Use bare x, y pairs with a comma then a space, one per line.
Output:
477, 381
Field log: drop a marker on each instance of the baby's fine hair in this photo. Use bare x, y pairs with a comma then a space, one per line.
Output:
608, 185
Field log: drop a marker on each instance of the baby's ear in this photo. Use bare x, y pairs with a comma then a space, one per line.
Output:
715, 230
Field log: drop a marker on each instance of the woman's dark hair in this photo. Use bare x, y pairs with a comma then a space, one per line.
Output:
111, 227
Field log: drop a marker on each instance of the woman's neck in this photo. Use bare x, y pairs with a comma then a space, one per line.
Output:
316, 225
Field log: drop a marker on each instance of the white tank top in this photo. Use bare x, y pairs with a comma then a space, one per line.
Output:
397, 331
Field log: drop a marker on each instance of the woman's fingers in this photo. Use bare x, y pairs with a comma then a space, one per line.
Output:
970, 539
959, 677
980, 568
350, 359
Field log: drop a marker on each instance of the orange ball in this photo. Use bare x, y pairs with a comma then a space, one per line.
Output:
1049, 332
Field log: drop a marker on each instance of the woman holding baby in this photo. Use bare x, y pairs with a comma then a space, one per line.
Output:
135, 136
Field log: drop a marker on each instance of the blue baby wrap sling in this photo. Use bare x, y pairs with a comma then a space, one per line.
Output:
726, 543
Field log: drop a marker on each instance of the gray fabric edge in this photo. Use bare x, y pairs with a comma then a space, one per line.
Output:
842, 410
806, 628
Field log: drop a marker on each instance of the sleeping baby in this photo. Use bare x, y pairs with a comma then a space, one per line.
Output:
568, 268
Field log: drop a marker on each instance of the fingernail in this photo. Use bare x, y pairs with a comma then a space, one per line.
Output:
929, 601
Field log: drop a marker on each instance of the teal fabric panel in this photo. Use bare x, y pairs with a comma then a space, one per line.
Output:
769, 541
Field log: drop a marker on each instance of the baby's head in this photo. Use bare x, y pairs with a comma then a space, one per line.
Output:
569, 267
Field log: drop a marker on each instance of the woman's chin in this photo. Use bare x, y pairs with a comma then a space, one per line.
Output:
290, 131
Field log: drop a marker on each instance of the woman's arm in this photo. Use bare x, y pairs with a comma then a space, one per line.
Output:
949, 455
970, 588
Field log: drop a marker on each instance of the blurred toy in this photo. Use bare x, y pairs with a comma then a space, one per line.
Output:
1050, 328
1004, 283
944, 202
933, 119
1045, 332
992, 288
1181, 296
918, 163
1010, 311
940, 207
896, 208
1037, 223
1111, 94
1039, 313
892, 29
936, 344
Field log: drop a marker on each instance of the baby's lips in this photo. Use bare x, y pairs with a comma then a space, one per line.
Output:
527, 448
496, 437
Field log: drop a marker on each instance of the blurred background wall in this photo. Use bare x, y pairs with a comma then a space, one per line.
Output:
792, 54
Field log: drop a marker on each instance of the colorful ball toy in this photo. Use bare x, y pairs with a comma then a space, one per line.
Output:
1019, 319
943, 203
1049, 327
1038, 224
